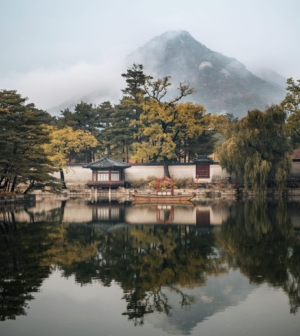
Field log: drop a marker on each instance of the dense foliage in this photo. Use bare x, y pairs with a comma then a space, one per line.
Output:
22, 134
260, 240
257, 147
291, 104
146, 125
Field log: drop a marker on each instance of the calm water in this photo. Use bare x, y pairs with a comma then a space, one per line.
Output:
83, 268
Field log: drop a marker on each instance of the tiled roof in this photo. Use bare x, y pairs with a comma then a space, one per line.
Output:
106, 162
203, 159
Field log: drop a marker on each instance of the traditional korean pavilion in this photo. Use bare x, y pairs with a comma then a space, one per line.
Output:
107, 173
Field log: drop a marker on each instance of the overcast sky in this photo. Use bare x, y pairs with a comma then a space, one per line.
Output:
55, 50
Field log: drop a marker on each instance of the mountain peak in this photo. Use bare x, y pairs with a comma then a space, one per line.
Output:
222, 83
171, 34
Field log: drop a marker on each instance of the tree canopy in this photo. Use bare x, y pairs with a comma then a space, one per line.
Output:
164, 128
291, 104
63, 141
257, 146
22, 157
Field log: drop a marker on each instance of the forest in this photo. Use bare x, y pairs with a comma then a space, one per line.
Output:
147, 125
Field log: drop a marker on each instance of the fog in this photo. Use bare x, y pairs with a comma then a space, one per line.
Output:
59, 51
51, 87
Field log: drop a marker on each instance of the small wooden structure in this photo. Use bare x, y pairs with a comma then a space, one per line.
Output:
162, 197
107, 173
165, 214
163, 179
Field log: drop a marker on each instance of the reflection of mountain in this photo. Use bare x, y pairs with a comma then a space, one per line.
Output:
183, 271
260, 240
216, 295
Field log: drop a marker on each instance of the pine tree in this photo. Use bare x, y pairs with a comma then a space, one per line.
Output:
22, 133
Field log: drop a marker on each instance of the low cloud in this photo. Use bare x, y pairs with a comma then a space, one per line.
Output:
52, 87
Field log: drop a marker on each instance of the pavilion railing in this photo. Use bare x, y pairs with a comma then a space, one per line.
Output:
106, 183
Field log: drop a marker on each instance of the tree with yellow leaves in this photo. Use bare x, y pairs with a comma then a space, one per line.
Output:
63, 141
164, 126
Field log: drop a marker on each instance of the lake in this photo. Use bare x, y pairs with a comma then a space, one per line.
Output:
84, 267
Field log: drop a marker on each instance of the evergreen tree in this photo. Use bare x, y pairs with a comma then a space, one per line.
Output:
117, 136
22, 133
86, 118
119, 133
291, 104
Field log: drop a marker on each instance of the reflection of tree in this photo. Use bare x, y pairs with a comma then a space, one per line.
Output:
22, 249
28, 250
260, 240
146, 259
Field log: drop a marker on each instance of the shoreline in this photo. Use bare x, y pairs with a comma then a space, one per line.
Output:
200, 194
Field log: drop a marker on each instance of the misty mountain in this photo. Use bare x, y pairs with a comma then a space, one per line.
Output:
222, 84
270, 76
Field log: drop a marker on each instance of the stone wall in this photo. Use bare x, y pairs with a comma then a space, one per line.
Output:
142, 172
176, 172
296, 167
76, 174
16, 199
79, 175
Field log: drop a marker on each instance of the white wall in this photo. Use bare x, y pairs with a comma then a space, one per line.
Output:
182, 171
83, 175
177, 172
217, 171
296, 168
76, 174
142, 172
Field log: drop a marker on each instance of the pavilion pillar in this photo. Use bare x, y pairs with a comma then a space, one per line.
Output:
95, 193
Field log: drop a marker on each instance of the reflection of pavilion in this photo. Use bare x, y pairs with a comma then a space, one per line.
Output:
108, 212
165, 214
202, 217
205, 215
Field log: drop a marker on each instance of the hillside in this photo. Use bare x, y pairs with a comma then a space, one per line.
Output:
222, 84
270, 76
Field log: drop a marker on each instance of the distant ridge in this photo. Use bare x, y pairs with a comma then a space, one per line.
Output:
270, 76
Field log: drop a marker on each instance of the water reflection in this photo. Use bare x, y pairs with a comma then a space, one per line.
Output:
174, 260
260, 240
